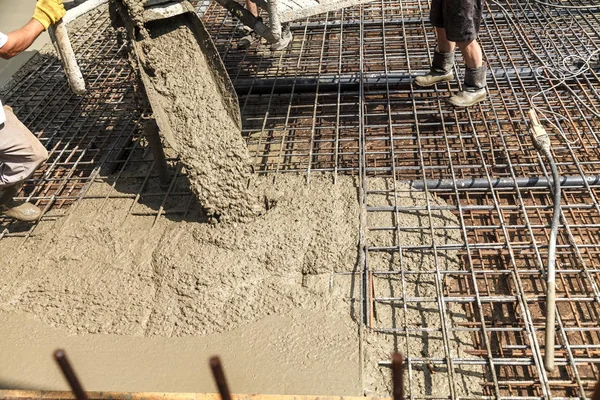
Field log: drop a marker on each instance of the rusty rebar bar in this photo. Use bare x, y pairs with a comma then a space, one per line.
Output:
398, 376
69, 374
596, 395
220, 380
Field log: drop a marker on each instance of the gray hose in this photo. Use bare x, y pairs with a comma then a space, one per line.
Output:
502, 183
541, 140
551, 272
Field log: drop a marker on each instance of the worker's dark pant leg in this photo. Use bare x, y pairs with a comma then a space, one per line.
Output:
460, 18
20, 151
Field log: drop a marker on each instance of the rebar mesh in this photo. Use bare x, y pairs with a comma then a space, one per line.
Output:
339, 100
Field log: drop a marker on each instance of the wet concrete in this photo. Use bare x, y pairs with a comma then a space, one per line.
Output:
271, 356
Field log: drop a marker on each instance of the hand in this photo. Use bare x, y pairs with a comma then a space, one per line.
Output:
49, 12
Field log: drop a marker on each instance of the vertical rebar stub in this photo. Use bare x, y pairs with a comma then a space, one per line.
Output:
220, 380
69, 374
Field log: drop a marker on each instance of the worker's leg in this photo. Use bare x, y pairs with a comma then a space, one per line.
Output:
250, 36
252, 7
443, 44
443, 55
471, 52
20, 154
463, 19
475, 76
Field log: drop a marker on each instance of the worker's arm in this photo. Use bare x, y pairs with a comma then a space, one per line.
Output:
19, 40
47, 12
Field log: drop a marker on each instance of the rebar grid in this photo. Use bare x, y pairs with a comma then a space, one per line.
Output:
97, 136
82, 134
339, 100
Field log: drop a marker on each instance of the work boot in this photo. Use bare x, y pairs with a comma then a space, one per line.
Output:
473, 90
21, 211
441, 70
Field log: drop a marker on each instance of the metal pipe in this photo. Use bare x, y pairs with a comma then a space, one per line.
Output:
81, 9
409, 20
351, 81
503, 183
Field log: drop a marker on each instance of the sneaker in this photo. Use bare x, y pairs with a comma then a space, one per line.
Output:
248, 40
467, 98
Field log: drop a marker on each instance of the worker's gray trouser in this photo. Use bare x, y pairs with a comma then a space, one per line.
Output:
20, 151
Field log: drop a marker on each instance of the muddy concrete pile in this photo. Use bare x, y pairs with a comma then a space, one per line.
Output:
103, 271
278, 263
103, 275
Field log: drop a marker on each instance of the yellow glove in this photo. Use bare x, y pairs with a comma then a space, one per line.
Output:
49, 12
